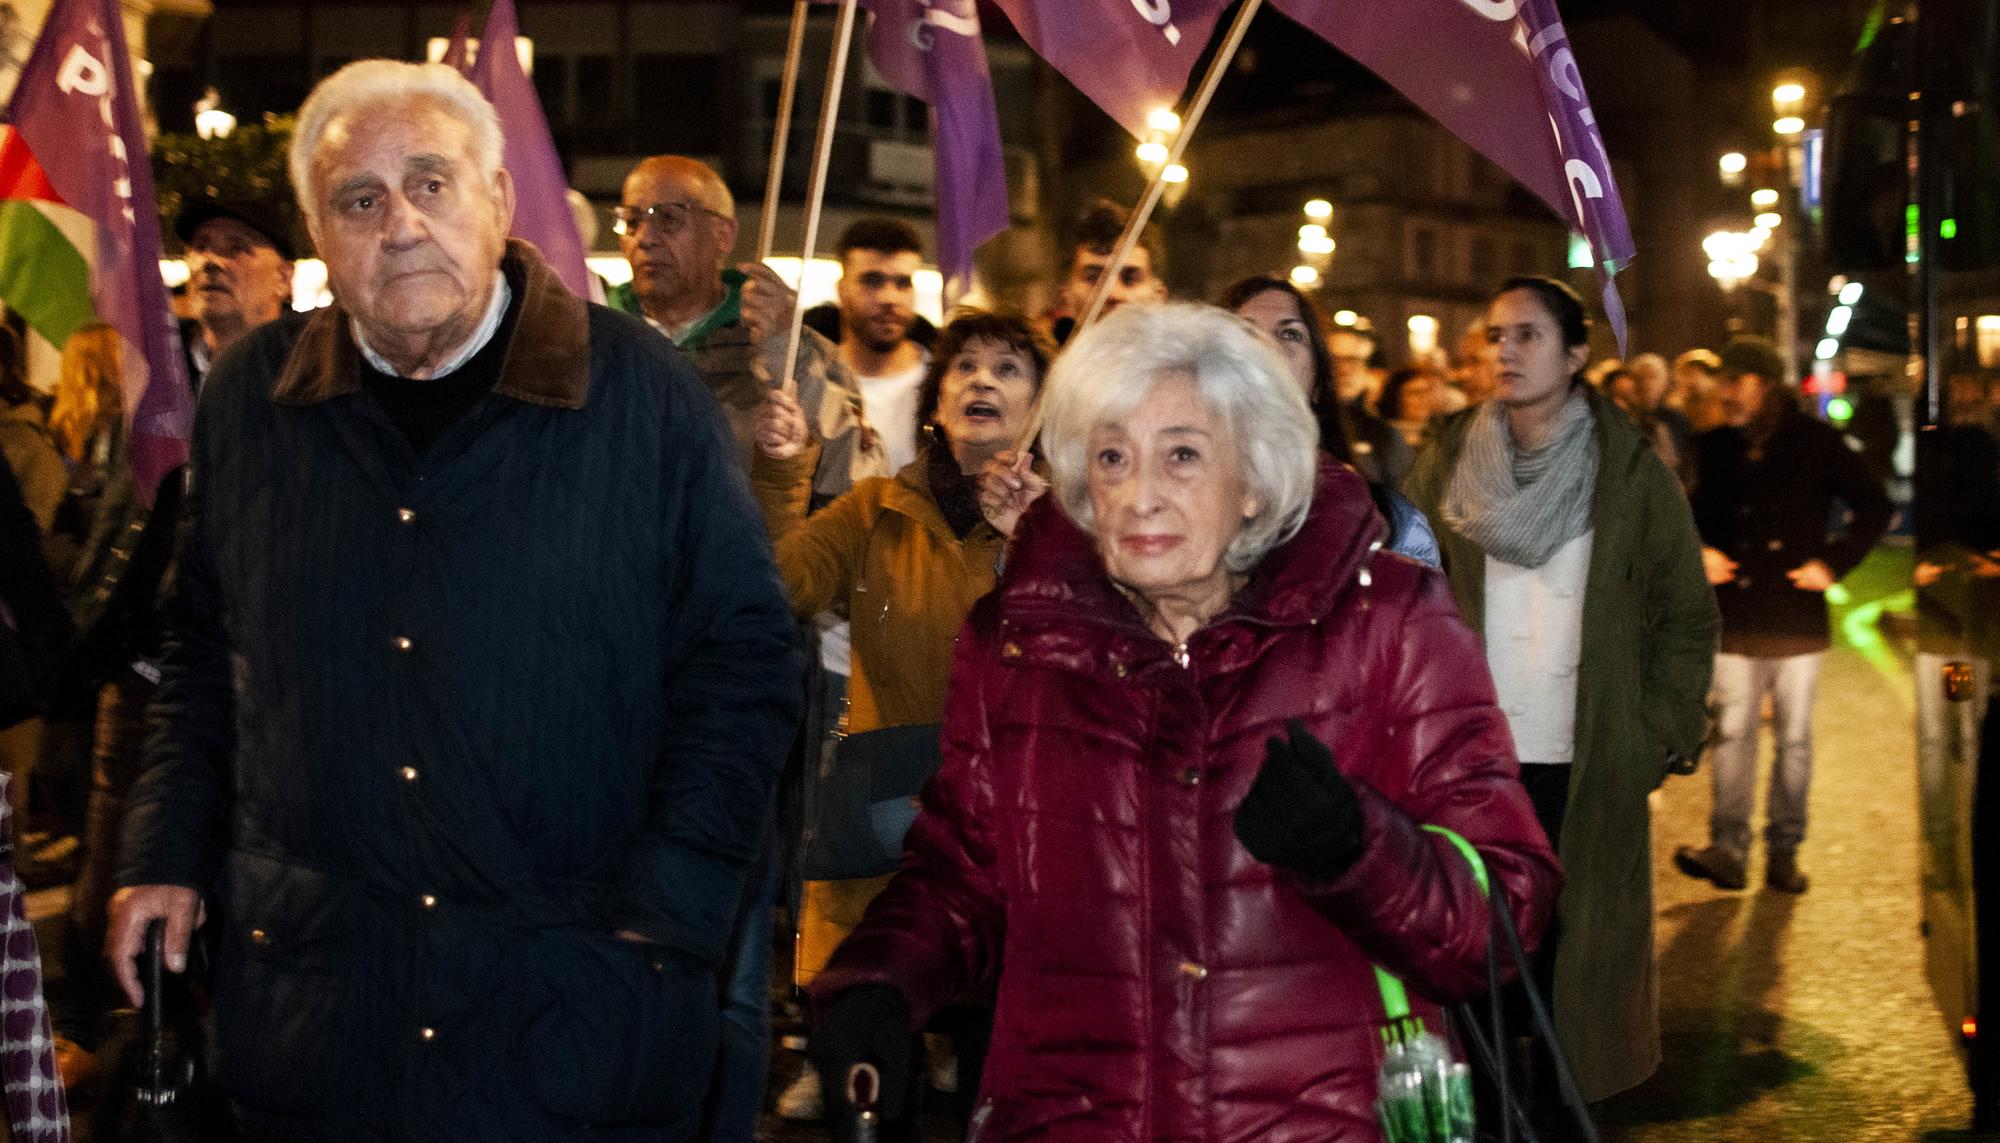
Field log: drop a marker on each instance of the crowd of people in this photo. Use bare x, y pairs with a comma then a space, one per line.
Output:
459, 694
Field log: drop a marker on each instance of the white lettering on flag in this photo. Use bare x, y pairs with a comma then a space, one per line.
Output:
1160, 14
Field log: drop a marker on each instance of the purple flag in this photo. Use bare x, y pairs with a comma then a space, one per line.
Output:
541, 194
1500, 75
455, 46
76, 109
1128, 56
931, 50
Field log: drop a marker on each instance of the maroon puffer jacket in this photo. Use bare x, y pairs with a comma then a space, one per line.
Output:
1159, 983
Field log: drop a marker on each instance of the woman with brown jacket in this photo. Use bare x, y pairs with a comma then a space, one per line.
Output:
904, 556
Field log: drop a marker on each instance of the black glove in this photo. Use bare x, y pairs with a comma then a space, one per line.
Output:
866, 1024
1301, 813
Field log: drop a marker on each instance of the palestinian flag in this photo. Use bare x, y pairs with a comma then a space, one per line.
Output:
79, 230
44, 264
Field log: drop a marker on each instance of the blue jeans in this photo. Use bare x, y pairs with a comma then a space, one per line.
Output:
1741, 682
743, 1063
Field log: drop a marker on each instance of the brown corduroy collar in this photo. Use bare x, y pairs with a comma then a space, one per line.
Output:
547, 360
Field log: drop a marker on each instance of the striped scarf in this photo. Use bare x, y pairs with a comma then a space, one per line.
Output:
1519, 506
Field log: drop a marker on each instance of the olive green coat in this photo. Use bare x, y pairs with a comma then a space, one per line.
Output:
1649, 631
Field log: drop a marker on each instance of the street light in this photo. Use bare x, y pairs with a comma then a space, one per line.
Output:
1304, 276
1764, 198
1732, 165
1788, 125
210, 120
1346, 319
1769, 220
1162, 125
1319, 210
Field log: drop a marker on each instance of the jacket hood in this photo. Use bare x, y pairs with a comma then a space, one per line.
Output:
1053, 564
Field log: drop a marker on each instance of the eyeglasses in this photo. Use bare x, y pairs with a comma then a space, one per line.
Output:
669, 218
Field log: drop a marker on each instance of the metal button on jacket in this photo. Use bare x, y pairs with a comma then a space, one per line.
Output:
1189, 777
1193, 971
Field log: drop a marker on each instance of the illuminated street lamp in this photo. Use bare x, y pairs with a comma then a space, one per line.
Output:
1319, 210
1763, 198
1346, 319
1769, 220
1162, 125
1304, 276
1732, 165
210, 120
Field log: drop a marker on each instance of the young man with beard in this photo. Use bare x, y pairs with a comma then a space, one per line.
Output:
879, 260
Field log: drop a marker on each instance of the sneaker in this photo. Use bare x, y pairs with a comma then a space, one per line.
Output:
802, 1101
1710, 863
1782, 872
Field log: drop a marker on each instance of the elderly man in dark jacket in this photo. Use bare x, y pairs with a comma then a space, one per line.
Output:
477, 687
1766, 484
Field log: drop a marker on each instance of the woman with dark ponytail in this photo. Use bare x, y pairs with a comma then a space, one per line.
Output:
1571, 549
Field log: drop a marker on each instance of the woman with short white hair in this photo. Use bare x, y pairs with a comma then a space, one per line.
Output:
1192, 744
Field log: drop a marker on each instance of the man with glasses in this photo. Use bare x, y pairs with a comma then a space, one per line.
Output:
676, 224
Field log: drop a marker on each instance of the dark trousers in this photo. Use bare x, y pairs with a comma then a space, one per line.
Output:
1534, 1078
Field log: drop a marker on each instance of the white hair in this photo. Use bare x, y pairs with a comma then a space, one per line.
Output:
365, 82
1108, 370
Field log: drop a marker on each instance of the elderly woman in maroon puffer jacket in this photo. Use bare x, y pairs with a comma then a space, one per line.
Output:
1191, 743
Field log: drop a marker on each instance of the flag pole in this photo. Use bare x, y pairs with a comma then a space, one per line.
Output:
1210, 80
829, 119
781, 129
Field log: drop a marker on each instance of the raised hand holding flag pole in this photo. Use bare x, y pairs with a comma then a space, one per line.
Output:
76, 111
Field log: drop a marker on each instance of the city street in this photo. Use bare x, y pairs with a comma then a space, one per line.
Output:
1808, 1018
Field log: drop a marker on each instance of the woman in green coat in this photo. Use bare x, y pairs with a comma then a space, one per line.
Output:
1571, 549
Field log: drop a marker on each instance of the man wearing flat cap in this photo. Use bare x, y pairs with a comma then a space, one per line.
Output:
1766, 485
239, 260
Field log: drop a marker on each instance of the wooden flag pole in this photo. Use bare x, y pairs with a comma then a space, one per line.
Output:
1210, 80
829, 119
781, 130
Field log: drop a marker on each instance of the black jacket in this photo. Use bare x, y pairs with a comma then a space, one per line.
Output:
432, 729
36, 626
1773, 511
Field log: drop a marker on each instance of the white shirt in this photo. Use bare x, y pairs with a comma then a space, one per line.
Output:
890, 403
1534, 644
496, 308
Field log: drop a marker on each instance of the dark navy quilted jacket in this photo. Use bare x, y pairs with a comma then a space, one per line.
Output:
432, 729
